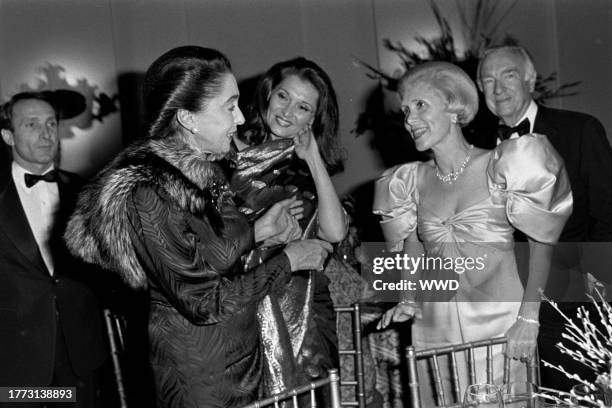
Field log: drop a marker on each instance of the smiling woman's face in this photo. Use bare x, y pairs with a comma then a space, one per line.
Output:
426, 117
292, 107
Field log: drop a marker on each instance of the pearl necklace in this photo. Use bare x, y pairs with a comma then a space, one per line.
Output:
451, 177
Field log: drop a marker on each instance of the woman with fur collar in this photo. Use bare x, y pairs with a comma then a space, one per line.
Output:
162, 216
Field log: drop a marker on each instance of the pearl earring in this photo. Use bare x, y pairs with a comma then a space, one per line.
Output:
194, 130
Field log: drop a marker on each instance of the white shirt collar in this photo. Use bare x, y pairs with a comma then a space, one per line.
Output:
19, 173
40, 203
530, 113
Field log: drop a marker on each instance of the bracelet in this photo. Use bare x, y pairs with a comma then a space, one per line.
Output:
526, 320
407, 302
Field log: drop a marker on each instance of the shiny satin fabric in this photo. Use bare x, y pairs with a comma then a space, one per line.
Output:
253, 178
283, 317
529, 173
528, 190
526, 178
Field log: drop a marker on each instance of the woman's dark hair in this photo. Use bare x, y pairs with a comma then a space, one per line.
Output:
325, 125
182, 78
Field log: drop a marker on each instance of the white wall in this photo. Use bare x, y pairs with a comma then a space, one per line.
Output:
570, 37
111, 41
76, 35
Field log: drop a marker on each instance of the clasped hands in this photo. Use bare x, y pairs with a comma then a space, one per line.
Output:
279, 225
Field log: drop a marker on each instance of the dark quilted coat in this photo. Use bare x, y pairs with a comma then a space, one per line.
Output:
162, 216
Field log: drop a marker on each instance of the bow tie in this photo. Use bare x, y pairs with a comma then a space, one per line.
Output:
504, 132
31, 179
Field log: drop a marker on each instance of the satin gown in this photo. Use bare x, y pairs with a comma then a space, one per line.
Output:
528, 190
297, 324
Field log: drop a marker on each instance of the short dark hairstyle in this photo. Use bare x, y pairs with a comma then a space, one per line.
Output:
185, 77
326, 120
6, 111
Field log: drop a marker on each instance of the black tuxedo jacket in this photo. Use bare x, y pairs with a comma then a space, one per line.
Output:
581, 141
34, 305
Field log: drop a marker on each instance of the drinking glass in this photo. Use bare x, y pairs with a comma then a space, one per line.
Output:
483, 395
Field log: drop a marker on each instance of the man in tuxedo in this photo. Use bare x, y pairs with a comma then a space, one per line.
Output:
506, 75
51, 330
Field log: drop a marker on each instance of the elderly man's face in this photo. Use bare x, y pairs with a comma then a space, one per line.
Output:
506, 85
34, 139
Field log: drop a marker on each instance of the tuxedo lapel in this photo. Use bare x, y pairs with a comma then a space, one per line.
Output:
67, 189
15, 224
65, 194
545, 126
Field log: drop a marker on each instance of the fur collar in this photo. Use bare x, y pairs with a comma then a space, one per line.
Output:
98, 231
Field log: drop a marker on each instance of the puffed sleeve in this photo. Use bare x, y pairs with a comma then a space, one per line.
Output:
530, 175
395, 200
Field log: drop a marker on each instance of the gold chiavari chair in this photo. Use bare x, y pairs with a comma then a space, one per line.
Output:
453, 399
358, 381
292, 395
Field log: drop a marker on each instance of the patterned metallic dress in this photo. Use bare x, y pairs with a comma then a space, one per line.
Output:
297, 324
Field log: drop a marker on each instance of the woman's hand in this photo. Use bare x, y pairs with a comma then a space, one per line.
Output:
523, 335
402, 312
522, 339
308, 254
306, 146
279, 224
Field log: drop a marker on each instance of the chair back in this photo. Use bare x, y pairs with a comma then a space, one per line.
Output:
444, 397
356, 351
292, 395
115, 328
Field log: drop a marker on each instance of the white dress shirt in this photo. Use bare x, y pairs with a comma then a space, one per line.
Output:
40, 204
530, 113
